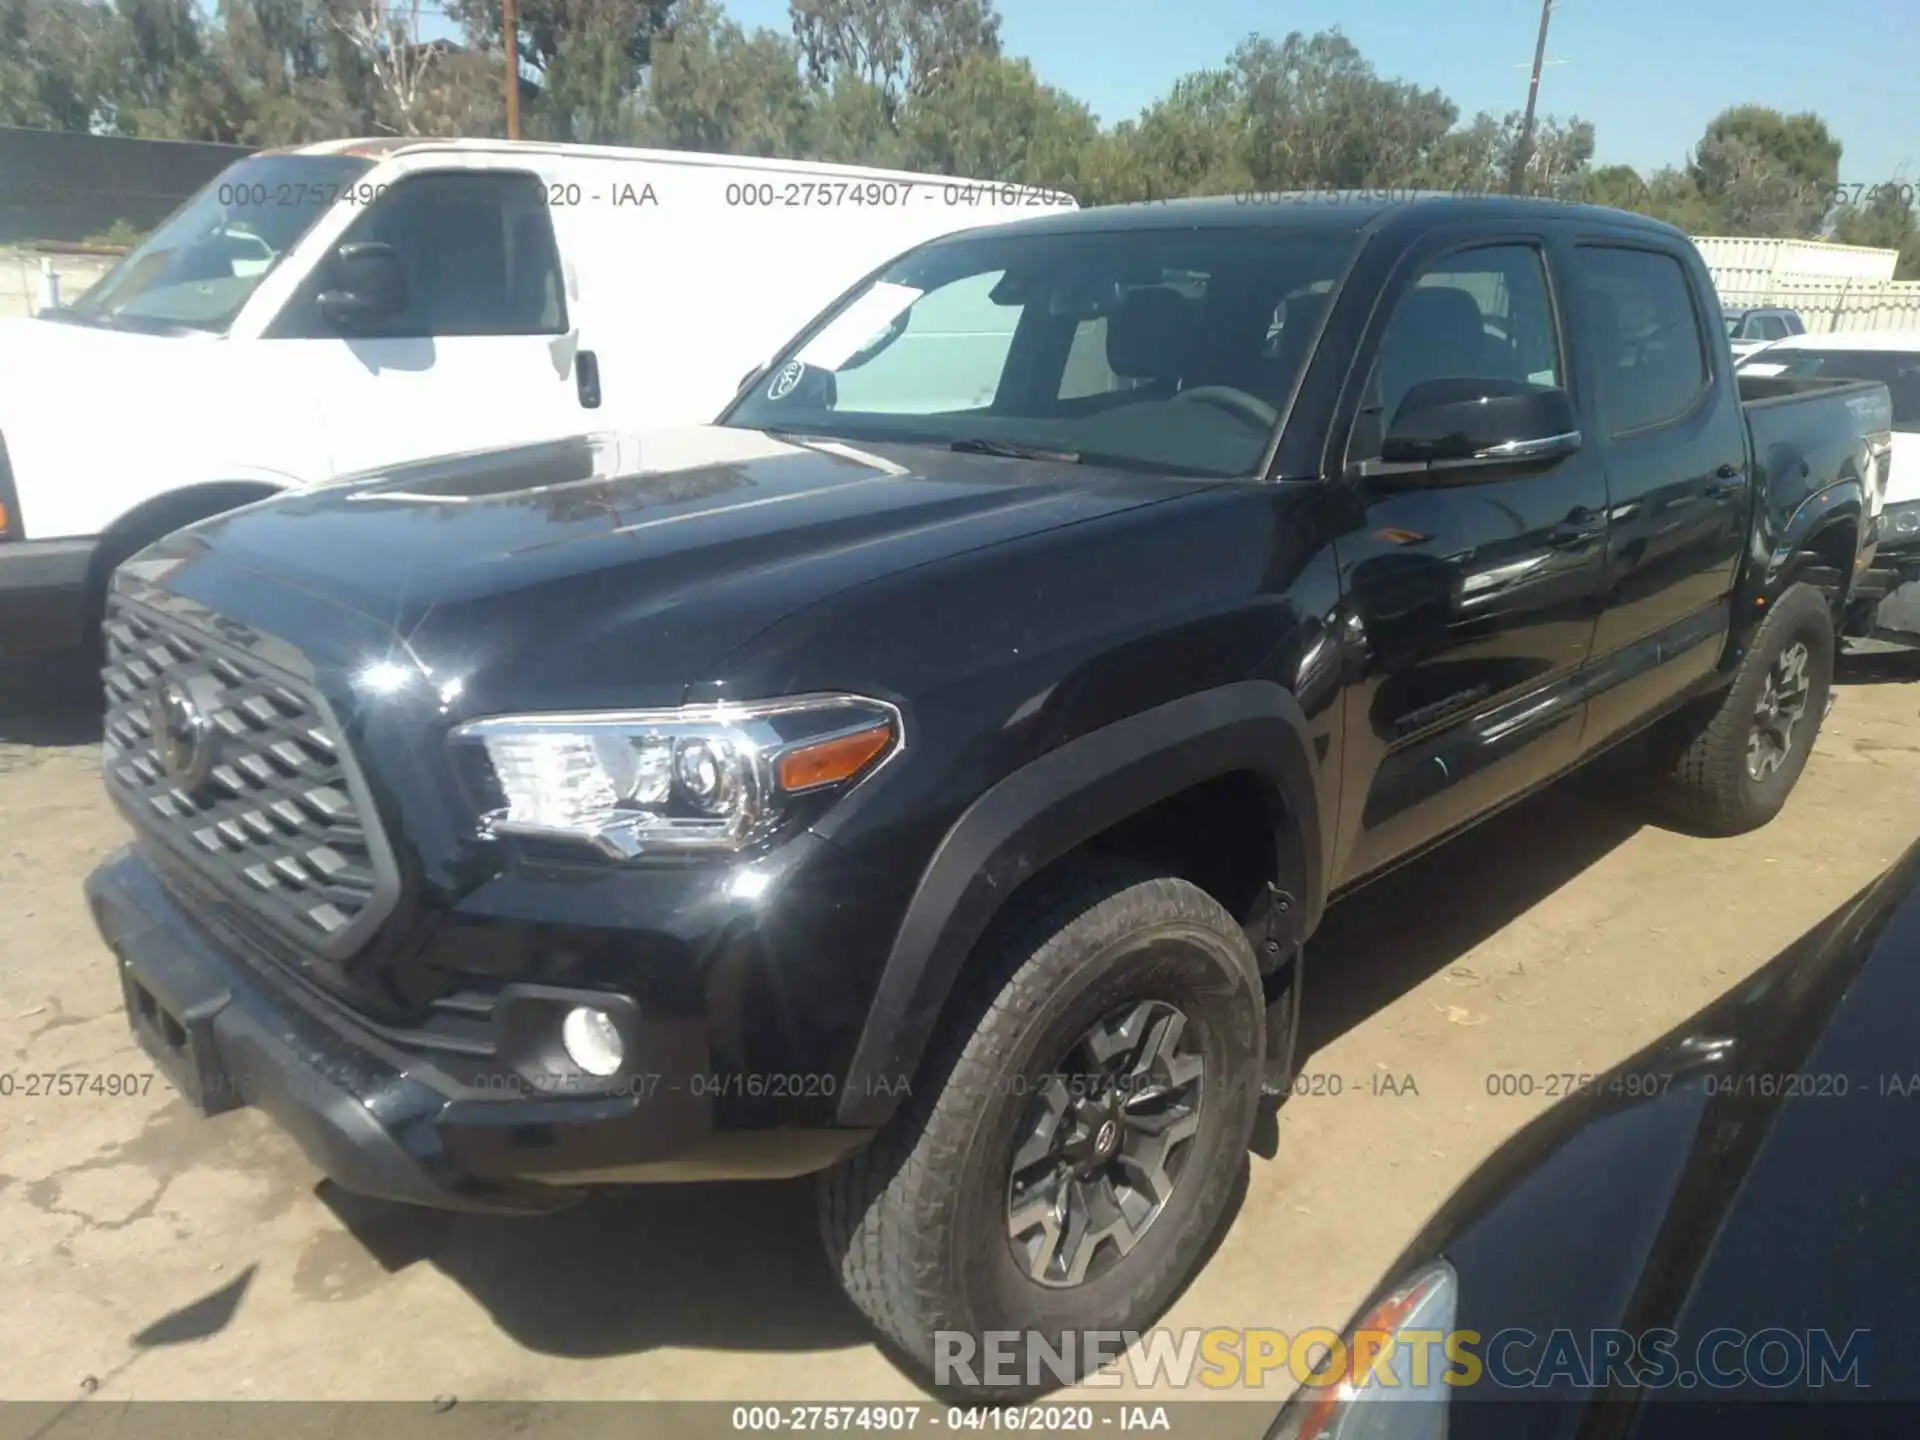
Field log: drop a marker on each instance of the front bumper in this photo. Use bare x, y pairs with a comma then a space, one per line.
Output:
43, 595
378, 1122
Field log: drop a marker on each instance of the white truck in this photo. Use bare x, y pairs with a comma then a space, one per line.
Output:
1886, 604
321, 311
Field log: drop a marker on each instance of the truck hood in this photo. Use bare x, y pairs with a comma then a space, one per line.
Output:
611, 569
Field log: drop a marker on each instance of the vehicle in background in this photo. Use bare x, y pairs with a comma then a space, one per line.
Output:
1751, 327
1739, 1198
320, 311
1886, 604
939, 798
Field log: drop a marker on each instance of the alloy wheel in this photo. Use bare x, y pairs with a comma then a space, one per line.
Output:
1102, 1143
1783, 703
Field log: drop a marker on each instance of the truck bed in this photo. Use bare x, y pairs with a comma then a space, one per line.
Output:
1807, 433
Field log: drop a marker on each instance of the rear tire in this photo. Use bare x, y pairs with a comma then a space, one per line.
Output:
1018, 1191
1739, 758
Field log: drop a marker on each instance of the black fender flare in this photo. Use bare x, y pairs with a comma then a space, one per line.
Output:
1842, 505
1045, 809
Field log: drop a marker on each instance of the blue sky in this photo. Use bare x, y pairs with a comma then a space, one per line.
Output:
1648, 73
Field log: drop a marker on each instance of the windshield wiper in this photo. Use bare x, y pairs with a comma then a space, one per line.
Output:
1011, 450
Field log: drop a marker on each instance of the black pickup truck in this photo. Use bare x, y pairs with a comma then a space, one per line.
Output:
930, 774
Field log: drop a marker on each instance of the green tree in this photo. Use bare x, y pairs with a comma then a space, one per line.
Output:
1619, 186
713, 86
54, 57
901, 48
1314, 113
994, 120
1765, 173
1882, 218
852, 124
589, 57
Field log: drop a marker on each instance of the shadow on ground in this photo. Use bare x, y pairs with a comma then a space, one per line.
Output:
1878, 666
733, 1267
49, 703
1385, 938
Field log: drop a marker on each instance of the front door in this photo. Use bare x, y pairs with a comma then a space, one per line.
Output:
482, 353
1475, 598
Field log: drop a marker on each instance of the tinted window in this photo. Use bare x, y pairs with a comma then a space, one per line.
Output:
1899, 372
1150, 349
1476, 314
479, 255
1647, 340
1772, 327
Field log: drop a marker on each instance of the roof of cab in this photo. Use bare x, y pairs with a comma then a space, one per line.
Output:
1328, 209
387, 146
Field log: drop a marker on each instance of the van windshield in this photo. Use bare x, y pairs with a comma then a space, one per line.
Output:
1171, 350
199, 268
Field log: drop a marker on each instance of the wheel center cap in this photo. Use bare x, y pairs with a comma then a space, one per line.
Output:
1106, 1138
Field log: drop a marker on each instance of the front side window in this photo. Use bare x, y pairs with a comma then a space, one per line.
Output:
1650, 354
199, 268
1482, 314
1142, 348
478, 252
1772, 327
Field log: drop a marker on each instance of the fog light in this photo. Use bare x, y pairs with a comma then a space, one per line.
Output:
592, 1040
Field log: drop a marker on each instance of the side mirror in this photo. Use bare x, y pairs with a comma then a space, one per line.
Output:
368, 285
1450, 429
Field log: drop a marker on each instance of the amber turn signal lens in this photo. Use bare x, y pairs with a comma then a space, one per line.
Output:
831, 761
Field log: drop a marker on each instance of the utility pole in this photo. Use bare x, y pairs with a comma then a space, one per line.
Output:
510, 29
1523, 156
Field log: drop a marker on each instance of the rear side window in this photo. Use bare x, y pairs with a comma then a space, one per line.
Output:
1648, 345
1772, 327
479, 254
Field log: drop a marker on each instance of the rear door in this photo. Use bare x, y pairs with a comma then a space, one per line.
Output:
1477, 600
484, 351
1669, 428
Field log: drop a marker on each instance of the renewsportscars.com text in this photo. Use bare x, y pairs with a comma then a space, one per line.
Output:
1512, 1359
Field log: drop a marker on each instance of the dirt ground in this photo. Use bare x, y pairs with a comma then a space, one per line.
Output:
149, 1254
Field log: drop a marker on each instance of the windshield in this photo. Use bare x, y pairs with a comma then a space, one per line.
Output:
1898, 370
1166, 350
197, 270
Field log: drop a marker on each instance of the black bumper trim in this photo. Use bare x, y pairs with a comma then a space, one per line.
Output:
225, 1039
43, 595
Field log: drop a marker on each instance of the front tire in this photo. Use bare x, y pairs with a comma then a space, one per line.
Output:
1074, 1151
1740, 759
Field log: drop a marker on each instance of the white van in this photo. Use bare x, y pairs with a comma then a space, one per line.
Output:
325, 310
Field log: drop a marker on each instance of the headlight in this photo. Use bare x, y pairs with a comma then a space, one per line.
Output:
1387, 1390
700, 778
1901, 523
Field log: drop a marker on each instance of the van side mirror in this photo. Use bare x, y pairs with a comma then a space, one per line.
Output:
368, 284
1453, 430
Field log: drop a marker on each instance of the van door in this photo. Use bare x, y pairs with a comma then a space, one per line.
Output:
480, 350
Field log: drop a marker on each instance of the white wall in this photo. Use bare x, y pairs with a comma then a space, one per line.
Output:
1834, 287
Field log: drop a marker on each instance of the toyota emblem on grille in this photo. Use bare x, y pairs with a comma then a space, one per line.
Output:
184, 739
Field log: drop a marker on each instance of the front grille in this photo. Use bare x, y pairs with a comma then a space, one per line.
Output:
239, 768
